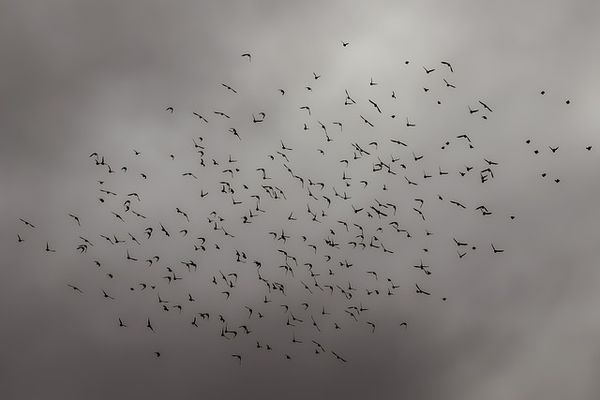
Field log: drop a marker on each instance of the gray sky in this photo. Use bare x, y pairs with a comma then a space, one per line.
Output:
81, 77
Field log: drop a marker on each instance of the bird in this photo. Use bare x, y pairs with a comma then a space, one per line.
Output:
375, 105
222, 114
496, 250
107, 296
200, 117
472, 111
458, 204
396, 141
27, 223
338, 357
366, 121
448, 84
459, 243
421, 291
349, 100
75, 288
229, 88
485, 106
76, 218
446, 63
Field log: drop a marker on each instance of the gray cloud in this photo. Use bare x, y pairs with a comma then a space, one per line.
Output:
80, 76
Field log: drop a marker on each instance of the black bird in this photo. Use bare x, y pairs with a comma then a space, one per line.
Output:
222, 114
485, 106
235, 133
164, 230
29, 224
446, 63
457, 203
48, 249
128, 257
398, 142
366, 121
261, 117
375, 105
336, 355
107, 296
459, 243
349, 100
423, 268
496, 250
421, 291
75, 288
449, 84
201, 117
76, 218
229, 88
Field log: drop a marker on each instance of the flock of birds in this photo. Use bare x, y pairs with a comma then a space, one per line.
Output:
321, 227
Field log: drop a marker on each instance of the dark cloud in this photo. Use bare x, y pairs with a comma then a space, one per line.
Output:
83, 76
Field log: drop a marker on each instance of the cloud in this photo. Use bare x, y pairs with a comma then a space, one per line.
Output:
80, 77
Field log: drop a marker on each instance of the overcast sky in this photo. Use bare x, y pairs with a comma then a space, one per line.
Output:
85, 76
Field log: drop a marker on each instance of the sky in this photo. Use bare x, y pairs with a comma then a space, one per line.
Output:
80, 77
